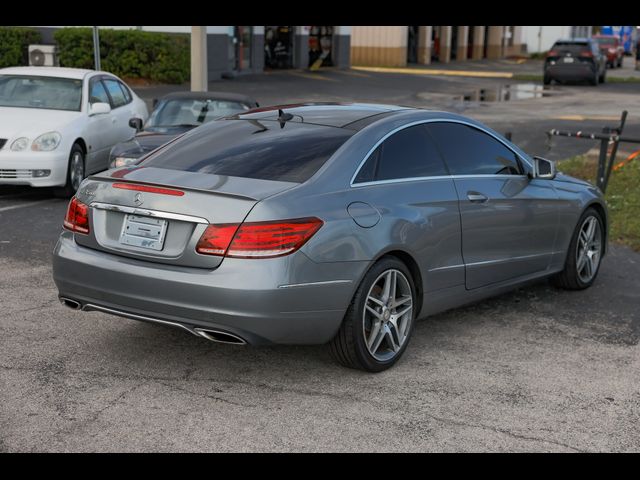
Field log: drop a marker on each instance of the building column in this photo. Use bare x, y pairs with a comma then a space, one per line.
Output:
199, 59
445, 44
424, 44
461, 50
301, 47
257, 49
341, 49
478, 43
495, 42
517, 41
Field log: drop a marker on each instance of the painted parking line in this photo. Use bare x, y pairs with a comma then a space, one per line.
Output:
24, 205
582, 118
435, 72
313, 76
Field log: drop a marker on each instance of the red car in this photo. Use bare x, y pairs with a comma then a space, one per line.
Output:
612, 48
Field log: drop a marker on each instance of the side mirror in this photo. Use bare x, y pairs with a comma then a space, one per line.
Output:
136, 123
543, 168
99, 108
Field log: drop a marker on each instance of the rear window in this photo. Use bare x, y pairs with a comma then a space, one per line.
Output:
573, 47
252, 149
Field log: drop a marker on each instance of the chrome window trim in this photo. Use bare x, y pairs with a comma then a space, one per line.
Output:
420, 122
149, 213
435, 177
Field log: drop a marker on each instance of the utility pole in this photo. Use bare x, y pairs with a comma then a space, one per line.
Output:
96, 48
199, 68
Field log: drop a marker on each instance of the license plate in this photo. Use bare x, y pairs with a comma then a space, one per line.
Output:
568, 59
143, 232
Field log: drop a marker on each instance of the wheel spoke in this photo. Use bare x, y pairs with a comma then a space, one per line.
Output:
404, 311
401, 301
581, 261
393, 342
375, 313
588, 267
375, 300
591, 229
377, 340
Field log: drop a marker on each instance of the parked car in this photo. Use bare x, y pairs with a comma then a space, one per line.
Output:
174, 115
58, 124
611, 47
307, 224
578, 59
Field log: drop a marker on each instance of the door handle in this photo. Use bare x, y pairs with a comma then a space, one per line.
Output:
477, 197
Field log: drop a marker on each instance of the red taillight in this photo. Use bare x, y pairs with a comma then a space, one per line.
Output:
258, 239
216, 239
587, 54
77, 217
148, 188
552, 53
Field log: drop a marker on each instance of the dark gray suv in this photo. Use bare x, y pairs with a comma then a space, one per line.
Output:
577, 59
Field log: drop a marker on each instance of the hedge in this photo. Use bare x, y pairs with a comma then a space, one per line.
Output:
14, 45
128, 53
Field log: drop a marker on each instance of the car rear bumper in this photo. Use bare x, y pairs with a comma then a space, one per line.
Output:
259, 301
17, 168
570, 72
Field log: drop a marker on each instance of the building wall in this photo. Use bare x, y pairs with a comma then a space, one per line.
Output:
379, 45
541, 38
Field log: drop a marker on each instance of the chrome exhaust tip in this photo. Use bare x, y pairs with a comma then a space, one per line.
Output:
72, 304
220, 337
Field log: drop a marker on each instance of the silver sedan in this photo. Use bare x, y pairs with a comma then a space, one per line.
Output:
324, 223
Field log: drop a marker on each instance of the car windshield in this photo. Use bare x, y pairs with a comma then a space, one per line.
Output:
40, 92
605, 40
192, 112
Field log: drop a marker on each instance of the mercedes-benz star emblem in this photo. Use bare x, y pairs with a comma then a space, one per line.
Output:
138, 199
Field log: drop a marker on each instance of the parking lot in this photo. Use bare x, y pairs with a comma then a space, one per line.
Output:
538, 369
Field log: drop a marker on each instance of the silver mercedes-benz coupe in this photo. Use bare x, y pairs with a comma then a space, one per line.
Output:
324, 223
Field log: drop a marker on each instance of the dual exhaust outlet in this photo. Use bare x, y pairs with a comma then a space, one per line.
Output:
211, 335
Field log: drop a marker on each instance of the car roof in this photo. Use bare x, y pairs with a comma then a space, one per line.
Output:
233, 97
342, 115
61, 72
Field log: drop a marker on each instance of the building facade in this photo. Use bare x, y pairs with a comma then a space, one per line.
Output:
399, 46
234, 50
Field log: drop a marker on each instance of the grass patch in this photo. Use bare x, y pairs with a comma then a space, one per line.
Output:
623, 196
623, 79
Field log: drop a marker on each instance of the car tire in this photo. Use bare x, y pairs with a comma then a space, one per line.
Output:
595, 79
75, 173
546, 80
574, 276
375, 324
603, 77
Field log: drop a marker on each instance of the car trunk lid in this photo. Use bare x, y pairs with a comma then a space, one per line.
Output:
158, 215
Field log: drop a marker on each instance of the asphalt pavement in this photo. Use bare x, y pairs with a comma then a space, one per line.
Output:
538, 369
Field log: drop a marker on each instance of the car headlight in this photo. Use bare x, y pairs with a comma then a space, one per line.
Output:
123, 161
19, 144
612, 50
46, 142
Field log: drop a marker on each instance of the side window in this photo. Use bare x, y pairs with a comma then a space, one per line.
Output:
115, 92
97, 93
125, 91
469, 151
409, 153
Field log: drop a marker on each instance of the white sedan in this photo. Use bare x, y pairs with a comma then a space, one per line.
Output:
57, 125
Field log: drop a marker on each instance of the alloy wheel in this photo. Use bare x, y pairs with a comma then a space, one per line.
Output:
76, 170
387, 316
589, 249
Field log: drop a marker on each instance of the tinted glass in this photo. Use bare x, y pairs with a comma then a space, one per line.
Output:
98, 94
409, 153
188, 111
469, 151
125, 90
115, 92
40, 92
575, 48
252, 149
